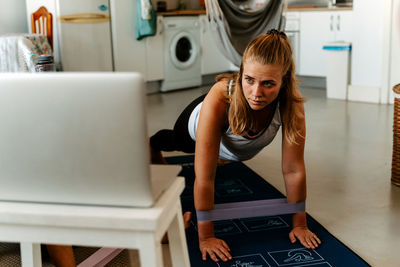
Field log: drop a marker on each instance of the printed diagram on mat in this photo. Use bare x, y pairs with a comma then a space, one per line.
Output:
224, 228
263, 223
253, 260
295, 256
187, 164
231, 188
320, 264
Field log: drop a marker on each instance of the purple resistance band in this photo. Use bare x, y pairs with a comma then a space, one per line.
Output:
247, 209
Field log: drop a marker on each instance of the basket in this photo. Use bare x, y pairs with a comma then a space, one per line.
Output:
396, 137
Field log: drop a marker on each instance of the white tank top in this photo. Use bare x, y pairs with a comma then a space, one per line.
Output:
235, 147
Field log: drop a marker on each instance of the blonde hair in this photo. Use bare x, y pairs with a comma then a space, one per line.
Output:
271, 48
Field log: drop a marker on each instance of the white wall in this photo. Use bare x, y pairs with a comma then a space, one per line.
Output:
394, 71
366, 76
173, 4
192, 4
13, 16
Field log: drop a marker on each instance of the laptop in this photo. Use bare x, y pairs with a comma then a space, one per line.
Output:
77, 138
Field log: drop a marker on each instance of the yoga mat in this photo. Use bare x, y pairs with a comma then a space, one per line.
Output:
258, 241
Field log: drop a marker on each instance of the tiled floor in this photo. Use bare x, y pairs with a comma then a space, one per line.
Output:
348, 159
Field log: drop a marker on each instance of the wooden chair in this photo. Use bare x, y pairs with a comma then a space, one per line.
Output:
44, 20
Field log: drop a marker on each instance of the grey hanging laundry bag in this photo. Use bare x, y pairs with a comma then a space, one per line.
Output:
233, 28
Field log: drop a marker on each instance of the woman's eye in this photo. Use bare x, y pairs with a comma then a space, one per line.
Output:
249, 80
268, 84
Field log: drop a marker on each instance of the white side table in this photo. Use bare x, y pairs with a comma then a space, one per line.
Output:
115, 227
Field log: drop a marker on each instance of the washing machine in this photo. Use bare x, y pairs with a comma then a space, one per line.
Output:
182, 65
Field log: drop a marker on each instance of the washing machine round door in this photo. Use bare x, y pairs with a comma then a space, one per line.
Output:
183, 50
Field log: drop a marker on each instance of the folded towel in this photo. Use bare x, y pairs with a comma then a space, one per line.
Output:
146, 23
16, 51
146, 9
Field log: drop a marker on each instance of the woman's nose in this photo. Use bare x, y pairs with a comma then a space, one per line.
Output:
256, 89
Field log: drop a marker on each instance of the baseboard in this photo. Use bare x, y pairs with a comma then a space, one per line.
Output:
208, 79
359, 93
312, 82
153, 87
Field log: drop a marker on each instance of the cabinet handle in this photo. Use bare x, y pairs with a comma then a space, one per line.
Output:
202, 25
338, 23
331, 25
160, 24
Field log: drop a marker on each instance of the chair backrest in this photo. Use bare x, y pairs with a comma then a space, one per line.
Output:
44, 21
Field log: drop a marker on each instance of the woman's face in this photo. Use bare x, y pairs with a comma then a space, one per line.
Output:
261, 83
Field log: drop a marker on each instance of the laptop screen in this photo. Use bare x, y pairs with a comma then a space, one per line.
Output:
76, 138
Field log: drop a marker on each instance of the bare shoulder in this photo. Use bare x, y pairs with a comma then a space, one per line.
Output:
217, 94
215, 104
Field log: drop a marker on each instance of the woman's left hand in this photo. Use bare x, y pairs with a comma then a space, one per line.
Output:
307, 238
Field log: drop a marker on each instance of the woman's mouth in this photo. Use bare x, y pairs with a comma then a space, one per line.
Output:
256, 102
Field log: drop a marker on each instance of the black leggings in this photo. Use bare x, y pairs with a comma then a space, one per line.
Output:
177, 139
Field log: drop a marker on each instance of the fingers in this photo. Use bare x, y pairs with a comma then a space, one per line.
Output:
315, 240
304, 241
307, 238
222, 254
186, 219
212, 255
314, 243
204, 254
309, 242
312, 240
292, 237
216, 248
225, 245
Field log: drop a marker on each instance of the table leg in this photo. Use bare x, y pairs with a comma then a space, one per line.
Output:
177, 240
150, 252
30, 255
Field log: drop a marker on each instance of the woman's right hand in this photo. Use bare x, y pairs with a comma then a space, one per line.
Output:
216, 248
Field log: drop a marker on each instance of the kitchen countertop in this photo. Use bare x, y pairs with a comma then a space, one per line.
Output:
193, 12
186, 12
314, 8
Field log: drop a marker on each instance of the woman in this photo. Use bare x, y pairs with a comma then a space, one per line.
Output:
239, 116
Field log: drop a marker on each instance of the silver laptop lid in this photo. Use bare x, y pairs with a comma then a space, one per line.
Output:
74, 138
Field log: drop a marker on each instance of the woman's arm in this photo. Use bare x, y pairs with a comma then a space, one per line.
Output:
208, 136
294, 174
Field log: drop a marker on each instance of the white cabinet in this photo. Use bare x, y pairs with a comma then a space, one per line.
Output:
84, 35
212, 60
292, 29
145, 55
129, 53
155, 53
316, 29
343, 21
